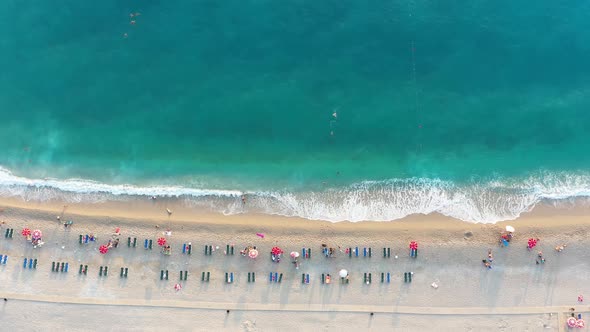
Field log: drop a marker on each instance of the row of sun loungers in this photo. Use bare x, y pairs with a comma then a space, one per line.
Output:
131, 242
275, 277
147, 244
305, 252
367, 252
3, 259
32, 263
9, 232
59, 267
187, 248
124, 272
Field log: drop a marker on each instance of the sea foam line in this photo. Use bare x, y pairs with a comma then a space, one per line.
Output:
476, 201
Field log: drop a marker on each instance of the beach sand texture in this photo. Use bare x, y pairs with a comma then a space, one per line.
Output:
516, 294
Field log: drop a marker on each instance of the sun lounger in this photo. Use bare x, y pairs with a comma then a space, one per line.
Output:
229, 277
145, 244
35, 263
270, 276
100, 271
184, 248
388, 277
166, 275
25, 263
280, 277
248, 276
4, 259
129, 242
52, 266
370, 279
11, 233
161, 274
63, 265
67, 266
364, 252
356, 251
382, 277
7, 232
150, 245
190, 248
405, 276
80, 271
349, 252
365, 278
203, 276
122, 271
80, 239
126, 272
208, 274
410, 276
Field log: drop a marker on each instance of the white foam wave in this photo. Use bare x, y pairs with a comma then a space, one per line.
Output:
44, 189
476, 201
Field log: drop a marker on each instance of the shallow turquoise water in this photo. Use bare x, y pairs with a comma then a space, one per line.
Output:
240, 94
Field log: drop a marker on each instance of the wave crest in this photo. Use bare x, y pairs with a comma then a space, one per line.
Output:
475, 201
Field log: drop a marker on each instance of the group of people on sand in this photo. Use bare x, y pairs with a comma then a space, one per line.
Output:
247, 250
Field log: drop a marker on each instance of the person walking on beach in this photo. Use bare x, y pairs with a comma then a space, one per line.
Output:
490, 256
540, 259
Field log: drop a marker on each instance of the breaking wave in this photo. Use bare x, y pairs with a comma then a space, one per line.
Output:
476, 201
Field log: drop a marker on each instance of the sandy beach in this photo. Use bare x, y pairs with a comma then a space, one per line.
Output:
515, 295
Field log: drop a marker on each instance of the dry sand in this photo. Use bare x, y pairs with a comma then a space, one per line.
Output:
515, 295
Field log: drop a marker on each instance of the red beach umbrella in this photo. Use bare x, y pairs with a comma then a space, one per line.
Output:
580, 323
36, 234
26, 232
276, 251
177, 287
414, 245
571, 322
103, 249
532, 243
162, 241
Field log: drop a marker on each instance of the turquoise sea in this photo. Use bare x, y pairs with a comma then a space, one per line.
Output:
333, 109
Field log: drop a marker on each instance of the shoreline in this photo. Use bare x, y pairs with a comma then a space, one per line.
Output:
543, 216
